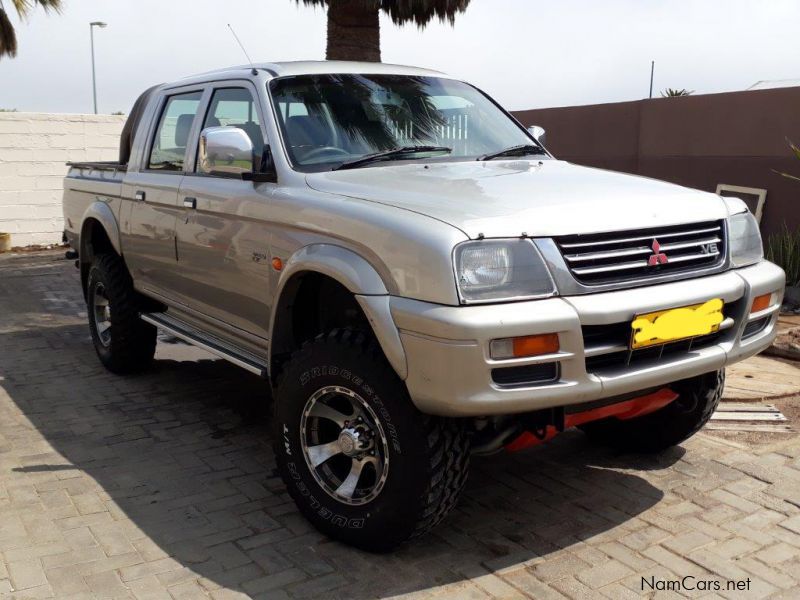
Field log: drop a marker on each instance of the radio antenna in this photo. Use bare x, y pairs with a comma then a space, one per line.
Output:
247, 56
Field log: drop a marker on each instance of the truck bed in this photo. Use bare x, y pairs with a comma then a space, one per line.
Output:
87, 183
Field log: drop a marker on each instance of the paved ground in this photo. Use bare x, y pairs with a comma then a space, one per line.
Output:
163, 485
762, 377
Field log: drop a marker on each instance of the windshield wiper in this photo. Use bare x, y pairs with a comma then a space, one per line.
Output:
393, 154
521, 150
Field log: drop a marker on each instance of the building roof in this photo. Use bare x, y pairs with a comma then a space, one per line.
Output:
774, 83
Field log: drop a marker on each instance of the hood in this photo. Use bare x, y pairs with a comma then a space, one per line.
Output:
505, 198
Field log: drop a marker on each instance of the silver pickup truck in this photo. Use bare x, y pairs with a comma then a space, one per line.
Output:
415, 275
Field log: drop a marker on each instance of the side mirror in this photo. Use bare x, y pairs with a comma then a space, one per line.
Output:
226, 151
538, 133
266, 172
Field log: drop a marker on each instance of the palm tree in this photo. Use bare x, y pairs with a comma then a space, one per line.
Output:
8, 38
354, 25
670, 93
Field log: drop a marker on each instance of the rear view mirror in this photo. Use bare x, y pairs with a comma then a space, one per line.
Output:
225, 151
538, 133
266, 172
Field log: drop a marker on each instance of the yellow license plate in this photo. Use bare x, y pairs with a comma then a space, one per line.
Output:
663, 326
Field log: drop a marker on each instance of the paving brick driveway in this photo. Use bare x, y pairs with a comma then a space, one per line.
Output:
163, 485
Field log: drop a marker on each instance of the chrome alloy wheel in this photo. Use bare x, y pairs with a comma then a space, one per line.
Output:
101, 314
344, 445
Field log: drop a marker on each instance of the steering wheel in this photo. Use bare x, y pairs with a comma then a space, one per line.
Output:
325, 149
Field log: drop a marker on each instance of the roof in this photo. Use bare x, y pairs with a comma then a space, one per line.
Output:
319, 67
775, 83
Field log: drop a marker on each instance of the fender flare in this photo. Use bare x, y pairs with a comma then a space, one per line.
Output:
361, 279
101, 212
341, 264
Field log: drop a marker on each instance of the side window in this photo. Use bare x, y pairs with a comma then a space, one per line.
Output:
172, 135
234, 107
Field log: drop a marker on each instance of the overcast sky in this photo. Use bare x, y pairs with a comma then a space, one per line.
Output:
526, 53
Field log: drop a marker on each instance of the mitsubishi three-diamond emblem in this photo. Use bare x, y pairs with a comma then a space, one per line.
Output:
658, 257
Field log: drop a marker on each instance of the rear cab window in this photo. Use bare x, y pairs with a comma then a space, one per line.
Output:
168, 150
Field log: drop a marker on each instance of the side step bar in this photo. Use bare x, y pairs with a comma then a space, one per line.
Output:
237, 356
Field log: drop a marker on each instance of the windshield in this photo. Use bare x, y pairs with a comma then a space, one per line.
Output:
329, 120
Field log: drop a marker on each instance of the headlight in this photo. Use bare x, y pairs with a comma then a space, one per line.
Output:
745, 240
488, 271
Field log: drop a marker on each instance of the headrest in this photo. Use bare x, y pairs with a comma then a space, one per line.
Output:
182, 129
253, 131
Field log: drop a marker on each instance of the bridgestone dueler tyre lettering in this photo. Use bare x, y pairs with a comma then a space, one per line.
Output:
428, 456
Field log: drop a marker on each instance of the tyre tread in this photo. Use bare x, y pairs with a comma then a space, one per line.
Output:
448, 446
134, 341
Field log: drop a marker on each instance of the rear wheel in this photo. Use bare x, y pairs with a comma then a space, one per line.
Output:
698, 397
124, 343
361, 462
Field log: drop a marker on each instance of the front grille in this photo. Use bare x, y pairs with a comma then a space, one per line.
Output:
607, 346
652, 353
599, 258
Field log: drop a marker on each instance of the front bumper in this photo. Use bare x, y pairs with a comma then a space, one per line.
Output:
450, 368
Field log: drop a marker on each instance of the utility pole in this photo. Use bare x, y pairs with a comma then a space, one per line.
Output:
92, 25
652, 71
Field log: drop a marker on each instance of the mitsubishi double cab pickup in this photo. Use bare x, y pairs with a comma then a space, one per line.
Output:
416, 276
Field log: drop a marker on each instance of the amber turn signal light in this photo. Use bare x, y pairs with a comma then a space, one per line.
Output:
528, 345
761, 302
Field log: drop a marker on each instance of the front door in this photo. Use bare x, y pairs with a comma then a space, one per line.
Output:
223, 234
151, 196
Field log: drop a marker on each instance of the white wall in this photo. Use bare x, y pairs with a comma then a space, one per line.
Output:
34, 148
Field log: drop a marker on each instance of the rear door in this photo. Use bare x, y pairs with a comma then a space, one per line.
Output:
151, 193
223, 234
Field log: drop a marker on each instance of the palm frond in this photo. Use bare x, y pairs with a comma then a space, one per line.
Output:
670, 93
420, 12
8, 38
25, 6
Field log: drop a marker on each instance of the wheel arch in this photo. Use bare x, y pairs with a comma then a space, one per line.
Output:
341, 272
99, 233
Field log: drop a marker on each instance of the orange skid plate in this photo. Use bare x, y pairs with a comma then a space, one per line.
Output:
628, 409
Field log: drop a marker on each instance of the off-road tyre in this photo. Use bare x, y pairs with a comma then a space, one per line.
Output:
669, 426
130, 343
428, 457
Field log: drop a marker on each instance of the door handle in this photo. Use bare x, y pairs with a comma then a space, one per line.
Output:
139, 196
190, 202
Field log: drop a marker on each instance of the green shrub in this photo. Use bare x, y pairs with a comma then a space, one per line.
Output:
784, 250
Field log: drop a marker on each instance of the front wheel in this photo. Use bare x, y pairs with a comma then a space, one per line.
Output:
361, 462
697, 399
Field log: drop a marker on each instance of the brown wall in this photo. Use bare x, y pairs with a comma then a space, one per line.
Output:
699, 141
